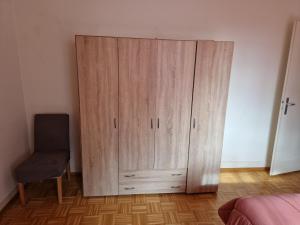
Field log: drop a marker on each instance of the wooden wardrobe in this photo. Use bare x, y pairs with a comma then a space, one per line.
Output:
152, 114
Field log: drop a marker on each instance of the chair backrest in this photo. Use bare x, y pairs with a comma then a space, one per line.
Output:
51, 132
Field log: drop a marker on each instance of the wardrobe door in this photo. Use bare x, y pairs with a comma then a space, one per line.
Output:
137, 68
174, 82
213, 64
97, 60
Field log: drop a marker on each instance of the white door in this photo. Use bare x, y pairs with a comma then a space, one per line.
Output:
286, 153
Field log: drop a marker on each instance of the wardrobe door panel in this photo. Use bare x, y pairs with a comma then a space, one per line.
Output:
174, 82
213, 64
137, 68
97, 60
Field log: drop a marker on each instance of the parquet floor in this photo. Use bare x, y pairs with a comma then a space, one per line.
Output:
175, 209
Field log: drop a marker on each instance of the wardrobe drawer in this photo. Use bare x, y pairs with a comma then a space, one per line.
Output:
152, 175
152, 187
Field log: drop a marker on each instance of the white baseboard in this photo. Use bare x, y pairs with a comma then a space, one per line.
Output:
243, 164
8, 197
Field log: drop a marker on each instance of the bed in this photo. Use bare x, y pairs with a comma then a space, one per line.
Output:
262, 210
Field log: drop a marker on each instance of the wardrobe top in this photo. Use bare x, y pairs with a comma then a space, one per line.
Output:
146, 38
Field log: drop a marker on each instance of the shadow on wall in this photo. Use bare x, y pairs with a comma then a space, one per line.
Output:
278, 91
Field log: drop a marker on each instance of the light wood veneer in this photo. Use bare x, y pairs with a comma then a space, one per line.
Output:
174, 91
97, 59
137, 69
212, 73
150, 109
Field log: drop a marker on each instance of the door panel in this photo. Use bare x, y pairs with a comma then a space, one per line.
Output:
97, 60
174, 82
286, 153
137, 68
212, 73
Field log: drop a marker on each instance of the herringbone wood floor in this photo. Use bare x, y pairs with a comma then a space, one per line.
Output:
183, 209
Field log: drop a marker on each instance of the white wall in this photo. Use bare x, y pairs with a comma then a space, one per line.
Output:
259, 28
13, 130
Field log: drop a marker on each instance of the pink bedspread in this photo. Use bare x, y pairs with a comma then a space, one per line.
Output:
262, 210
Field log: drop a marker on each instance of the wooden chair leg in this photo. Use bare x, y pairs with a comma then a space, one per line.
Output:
68, 172
21, 193
59, 189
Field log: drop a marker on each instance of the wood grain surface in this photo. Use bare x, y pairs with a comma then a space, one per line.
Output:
97, 60
174, 82
212, 73
153, 187
153, 175
137, 69
136, 97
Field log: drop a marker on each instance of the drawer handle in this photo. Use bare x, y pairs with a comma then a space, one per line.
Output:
176, 174
129, 188
175, 187
131, 175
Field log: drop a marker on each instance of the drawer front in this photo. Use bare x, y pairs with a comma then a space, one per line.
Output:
152, 187
178, 175
152, 181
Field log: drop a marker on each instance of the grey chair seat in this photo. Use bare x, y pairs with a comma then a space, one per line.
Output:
42, 165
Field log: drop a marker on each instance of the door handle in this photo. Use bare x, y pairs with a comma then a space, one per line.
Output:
130, 175
176, 174
129, 188
158, 123
115, 122
194, 123
287, 104
175, 187
151, 123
